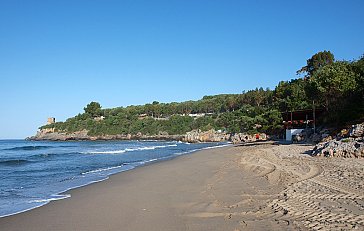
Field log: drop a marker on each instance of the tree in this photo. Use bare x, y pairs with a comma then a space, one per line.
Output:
358, 68
231, 104
317, 61
332, 83
290, 96
93, 109
274, 121
156, 108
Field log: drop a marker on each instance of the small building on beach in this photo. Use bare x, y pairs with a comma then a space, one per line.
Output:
296, 121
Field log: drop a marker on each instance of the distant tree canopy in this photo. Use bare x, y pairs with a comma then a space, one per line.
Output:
317, 61
337, 86
93, 109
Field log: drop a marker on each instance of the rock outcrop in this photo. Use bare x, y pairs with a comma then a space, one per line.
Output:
206, 136
346, 144
308, 136
244, 137
46, 134
217, 136
347, 147
194, 136
357, 130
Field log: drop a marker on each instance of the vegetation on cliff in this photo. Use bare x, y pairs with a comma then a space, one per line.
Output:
336, 86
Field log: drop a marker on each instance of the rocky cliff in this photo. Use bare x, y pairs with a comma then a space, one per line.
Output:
194, 136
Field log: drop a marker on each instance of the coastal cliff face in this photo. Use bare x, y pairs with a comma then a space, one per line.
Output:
194, 136
45, 134
50, 134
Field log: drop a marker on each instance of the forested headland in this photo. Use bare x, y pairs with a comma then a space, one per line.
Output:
336, 86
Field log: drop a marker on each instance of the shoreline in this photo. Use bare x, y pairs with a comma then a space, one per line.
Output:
66, 194
256, 186
34, 217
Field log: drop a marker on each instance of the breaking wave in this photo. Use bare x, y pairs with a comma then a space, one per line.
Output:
130, 149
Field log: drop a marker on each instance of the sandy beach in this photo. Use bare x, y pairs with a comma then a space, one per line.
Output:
257, 186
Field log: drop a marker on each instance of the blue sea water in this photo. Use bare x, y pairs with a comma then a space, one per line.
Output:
32, 173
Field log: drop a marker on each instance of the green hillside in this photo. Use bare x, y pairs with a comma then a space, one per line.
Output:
335, 86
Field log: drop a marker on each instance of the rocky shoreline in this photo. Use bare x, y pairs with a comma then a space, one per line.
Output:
83, 135
194, 136
348, 143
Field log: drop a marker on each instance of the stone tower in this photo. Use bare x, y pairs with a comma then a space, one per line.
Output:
51, 120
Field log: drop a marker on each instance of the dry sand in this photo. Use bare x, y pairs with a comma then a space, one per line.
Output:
259, 186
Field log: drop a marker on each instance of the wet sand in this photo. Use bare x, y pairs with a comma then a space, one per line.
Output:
261, 186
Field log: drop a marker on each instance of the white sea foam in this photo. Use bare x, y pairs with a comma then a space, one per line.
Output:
40, 202
130, 149
59, 197
151, 160
102, 169
107, 152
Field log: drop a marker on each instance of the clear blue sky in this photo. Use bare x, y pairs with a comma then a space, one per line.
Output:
57, 56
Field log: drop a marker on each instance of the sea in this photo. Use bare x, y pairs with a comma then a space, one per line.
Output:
33, 173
